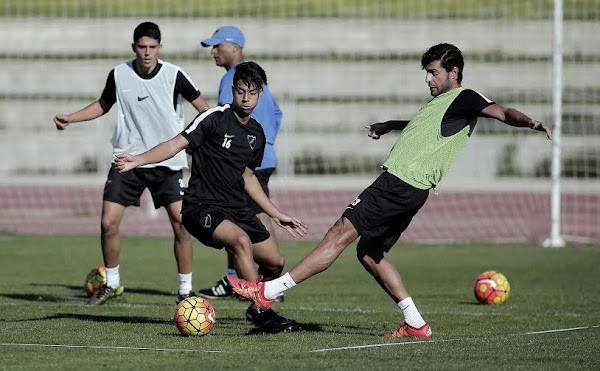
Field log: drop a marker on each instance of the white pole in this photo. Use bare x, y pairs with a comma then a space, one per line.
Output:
555, 239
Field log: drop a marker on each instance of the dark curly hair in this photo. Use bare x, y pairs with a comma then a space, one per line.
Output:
448, 55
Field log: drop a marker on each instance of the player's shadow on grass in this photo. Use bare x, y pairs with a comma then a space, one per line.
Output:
471, 303
315, 327
97, 318
133, 290
300, 327
70, 287
229, 326
44, 297
72, 299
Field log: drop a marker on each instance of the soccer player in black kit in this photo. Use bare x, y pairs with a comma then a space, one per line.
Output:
226, 145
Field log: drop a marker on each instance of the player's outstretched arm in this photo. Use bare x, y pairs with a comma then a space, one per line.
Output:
378, 129
294, 226
513, 117
90, 112
165, 150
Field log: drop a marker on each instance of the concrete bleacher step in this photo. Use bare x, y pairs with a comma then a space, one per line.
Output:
301, 35
307, 78
300, 117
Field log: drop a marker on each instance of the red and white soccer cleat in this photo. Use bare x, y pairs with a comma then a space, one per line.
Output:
405, 330
255, 291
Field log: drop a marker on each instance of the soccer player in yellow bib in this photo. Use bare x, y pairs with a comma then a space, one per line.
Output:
428, 145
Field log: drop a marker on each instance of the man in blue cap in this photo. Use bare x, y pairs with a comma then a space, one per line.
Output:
227, 44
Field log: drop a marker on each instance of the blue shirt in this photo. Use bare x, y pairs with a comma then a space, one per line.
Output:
267, 113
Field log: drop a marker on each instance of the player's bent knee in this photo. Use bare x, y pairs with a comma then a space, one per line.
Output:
365, 261
278, 266
181, 233
241, 244
270, 272
368, 256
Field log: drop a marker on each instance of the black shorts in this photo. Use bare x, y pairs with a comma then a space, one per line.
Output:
202, 220
384, 209
165, 185
263, 177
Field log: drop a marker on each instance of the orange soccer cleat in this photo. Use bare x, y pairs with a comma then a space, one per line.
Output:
255, 291
405, 330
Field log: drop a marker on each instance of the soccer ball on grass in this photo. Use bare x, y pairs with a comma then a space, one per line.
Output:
95, 280
194, 316
491, 287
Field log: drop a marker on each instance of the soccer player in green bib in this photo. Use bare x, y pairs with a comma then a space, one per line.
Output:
425, 150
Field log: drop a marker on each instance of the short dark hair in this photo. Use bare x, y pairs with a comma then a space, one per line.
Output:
148, 29
251, 73
448, 55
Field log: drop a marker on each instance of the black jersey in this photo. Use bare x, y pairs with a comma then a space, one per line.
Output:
221, 149
463, 110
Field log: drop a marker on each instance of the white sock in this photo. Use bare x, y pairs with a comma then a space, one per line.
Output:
185, 283
231, 272
277, 286
113, 280
411, 315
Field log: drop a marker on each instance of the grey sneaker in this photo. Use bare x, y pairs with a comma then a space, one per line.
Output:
221, 290
105, 293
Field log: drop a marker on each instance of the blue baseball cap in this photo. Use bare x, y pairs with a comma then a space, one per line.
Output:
230, 34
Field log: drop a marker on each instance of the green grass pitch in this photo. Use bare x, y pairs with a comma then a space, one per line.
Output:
549, 322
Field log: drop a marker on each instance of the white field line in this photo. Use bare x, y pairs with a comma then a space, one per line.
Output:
425, 312
107, 347
447, 340
310, 351
561, 330
383, 345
